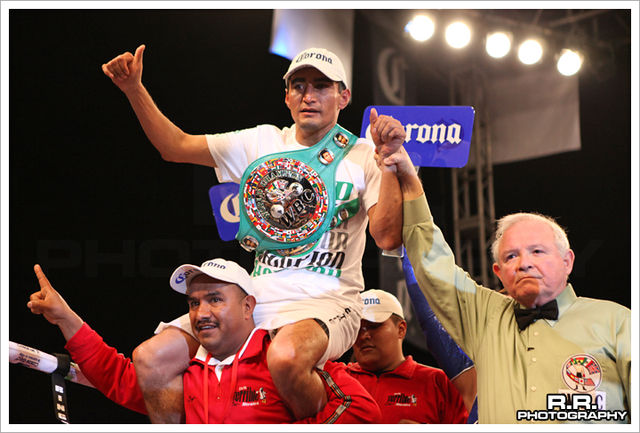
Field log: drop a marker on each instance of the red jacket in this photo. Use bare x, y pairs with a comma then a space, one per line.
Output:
415, 392
254, 398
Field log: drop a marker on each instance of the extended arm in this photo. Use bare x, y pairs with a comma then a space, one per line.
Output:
110, 372
458, 302
455, 363
385, 217
173, 144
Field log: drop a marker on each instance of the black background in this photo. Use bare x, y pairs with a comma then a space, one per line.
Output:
91, 200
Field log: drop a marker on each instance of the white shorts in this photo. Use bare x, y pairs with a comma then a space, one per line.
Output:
342, 321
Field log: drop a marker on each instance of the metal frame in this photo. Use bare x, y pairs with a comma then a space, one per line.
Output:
472, 185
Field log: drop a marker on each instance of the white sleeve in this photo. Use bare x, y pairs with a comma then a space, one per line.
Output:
230, 152
234, 151
183, 322
372, 175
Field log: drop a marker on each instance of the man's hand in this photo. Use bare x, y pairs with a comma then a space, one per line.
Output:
401, 161
53, 307
125, 70
388, 133
410, 183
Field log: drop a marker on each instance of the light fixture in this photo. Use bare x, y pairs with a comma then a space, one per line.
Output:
458, 34
530, 52
498, 44
421, 28
569, 62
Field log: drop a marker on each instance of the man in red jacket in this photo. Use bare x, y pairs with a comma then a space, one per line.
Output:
406, 391
228, 380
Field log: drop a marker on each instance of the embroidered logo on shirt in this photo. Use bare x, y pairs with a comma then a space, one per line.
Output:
582, 373
401, 399
247, 396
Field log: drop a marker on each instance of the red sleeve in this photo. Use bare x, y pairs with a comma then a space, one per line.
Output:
452, 410
110, 372
348, 401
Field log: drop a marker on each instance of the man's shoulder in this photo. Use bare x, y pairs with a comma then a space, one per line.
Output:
423, 371
604, 304
337, 369
261, 129
355, 368
429, 369
267, 128
348, 366
258, 343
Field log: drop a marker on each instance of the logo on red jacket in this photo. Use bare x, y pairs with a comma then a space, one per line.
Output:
247, 396
401, 399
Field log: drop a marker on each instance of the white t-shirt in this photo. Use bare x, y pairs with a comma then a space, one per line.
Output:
333, 269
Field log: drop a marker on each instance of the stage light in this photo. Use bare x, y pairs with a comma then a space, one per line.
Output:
421, 28
498, 44
569, 62
458, 34
530, 52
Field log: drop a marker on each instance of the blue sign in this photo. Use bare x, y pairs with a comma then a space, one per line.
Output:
437, 136
226, 209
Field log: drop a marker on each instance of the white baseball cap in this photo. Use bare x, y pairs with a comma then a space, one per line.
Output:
323, 60
220, 269
380, 305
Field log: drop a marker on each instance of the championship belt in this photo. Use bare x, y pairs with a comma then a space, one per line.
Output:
288, 198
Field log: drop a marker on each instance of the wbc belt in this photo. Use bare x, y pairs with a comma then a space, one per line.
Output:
288, 198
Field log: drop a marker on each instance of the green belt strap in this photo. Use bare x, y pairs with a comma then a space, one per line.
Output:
288, 198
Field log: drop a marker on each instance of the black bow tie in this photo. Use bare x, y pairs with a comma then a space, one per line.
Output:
526, 316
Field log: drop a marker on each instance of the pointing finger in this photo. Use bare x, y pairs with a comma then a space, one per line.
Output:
42, 279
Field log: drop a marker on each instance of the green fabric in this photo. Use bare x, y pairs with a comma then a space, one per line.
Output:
310, 156
516, 370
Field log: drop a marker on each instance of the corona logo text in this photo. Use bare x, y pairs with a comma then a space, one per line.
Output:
437, 133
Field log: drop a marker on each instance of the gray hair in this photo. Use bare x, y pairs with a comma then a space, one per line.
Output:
559, 234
